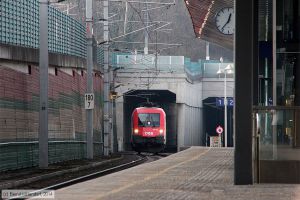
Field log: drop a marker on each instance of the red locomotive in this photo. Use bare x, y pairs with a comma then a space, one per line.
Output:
148, 129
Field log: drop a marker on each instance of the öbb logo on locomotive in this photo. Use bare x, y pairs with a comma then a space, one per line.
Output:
148, 133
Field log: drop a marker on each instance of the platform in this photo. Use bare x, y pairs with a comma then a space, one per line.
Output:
195, 173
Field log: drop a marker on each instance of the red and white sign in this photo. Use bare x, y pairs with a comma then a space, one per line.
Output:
219, 130
215, 141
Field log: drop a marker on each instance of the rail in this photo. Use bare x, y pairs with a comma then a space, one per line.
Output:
141, 160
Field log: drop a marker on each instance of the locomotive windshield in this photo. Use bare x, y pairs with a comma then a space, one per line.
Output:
149, 119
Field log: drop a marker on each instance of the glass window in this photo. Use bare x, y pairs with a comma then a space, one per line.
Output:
149, 119
277, 127
287, 52
265, 57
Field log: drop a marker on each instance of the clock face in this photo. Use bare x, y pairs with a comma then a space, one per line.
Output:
225, 21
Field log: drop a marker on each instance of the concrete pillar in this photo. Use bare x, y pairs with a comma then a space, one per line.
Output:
180, 125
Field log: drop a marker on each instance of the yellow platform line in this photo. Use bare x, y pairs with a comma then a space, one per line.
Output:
151, 176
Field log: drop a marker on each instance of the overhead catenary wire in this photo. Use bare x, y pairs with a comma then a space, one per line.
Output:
135, 10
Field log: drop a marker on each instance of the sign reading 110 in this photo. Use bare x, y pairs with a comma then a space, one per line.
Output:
220, 101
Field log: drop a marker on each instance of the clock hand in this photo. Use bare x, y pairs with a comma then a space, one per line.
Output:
229, 18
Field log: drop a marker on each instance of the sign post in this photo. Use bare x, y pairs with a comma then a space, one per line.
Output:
89, 88
218, 140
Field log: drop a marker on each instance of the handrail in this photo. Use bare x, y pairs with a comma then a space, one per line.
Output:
269, 108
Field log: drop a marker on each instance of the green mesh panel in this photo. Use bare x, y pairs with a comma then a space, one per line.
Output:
19, 25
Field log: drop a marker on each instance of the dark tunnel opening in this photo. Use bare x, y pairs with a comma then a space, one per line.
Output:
164, 99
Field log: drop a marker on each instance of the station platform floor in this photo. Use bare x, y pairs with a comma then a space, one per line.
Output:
195, 173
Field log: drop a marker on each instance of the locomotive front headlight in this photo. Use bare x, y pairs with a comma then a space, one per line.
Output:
161, 131
136, 131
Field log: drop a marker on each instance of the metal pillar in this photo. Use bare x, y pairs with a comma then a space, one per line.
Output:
43, 67
245, 59
225, 108
89, 112
114, 141
107, 118
114, 115
207, 51
146, 29
111, 110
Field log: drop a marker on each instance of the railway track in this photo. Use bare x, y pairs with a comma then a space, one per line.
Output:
66, 181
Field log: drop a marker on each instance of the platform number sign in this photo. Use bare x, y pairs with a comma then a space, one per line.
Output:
220, 102
89, 99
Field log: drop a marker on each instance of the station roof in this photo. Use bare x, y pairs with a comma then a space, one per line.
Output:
203, 14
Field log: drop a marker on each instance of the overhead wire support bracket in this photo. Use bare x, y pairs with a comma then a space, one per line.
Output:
132, 32
167, 44
144, 2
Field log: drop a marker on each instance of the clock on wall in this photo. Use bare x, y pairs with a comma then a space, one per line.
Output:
225, 21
